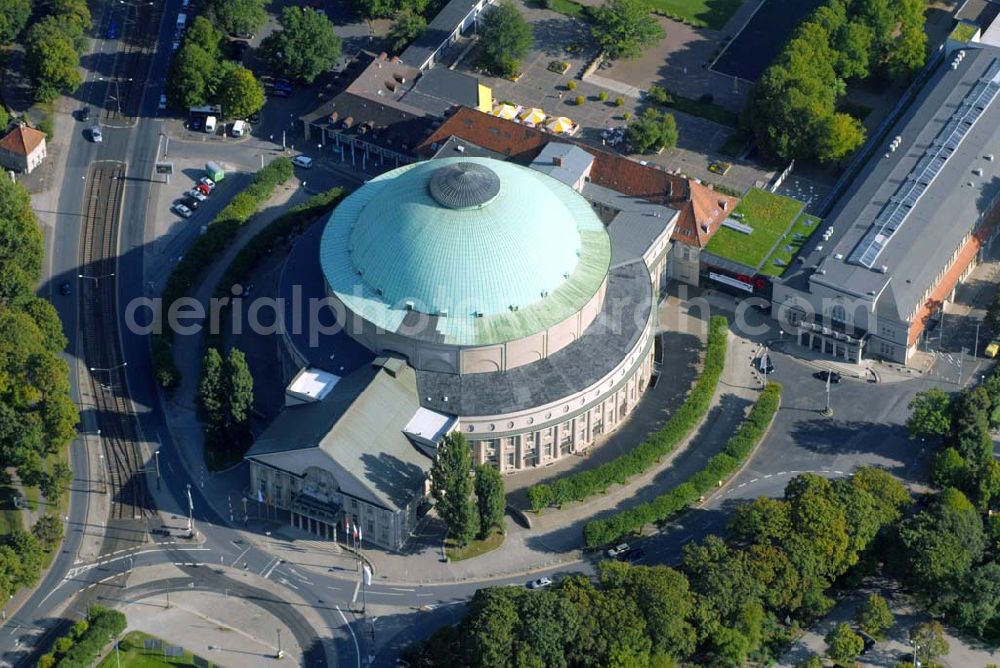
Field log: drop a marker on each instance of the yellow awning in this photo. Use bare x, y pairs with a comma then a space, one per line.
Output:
506, 111
534, 115
560, 125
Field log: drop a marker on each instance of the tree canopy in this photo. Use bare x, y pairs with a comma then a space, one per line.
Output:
652, 132
451, 487
406, 27
304, 47
13, 19
792, 107
240, 94
624, 28
238, 17
504, 39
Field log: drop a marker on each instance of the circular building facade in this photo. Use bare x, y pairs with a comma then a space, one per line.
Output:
494, 281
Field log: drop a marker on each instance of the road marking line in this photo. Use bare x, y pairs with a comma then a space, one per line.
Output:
235, 561
741, 485
357, 588
401, 589
781, 473
267, 565
767, 476
357, 650
276, 563
755, 480
384, 593
287, 583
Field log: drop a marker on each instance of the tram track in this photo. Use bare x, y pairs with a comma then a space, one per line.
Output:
123, 93
123, 471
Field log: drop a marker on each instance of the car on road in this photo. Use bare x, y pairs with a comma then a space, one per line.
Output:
303, 161
190, 202
621, 548
182, 210
825, 374
85, 114
207, 182
163, 103
194, 193
95, 135
540, 583
765, 365
65, 288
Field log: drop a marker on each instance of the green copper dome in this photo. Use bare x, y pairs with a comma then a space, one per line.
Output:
470, 239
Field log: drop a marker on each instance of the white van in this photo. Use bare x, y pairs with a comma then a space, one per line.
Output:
240, 128
210, 124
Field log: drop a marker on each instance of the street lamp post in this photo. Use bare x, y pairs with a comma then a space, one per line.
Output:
975, 351
190, 512
280, 653
95, 279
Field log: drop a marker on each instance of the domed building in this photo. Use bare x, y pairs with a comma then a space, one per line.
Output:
516, 303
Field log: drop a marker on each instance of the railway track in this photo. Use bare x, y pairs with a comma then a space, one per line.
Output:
139, 22
123, 467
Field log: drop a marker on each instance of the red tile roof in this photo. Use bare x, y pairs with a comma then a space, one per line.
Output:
521, 144
22, 140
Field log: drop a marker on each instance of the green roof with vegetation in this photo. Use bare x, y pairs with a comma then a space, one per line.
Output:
963, 32
785, 253
769, 215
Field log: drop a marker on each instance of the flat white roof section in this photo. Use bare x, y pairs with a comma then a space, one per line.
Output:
428, 425
310, 385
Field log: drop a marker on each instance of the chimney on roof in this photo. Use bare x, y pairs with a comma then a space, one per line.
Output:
383, 55
723, 204
557, 161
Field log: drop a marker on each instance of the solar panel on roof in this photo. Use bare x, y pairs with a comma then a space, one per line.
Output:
892, 216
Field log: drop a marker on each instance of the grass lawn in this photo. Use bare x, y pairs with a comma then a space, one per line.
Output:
701, 13
10, 517
475, 548
963, 32
568, 7
134, 655
768, 214
786, 251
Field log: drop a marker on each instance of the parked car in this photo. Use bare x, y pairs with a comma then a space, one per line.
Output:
242, 35
284, 84
280, 92
239, 49
203, 189
112, 31
65, 288
182, 210
195, 124
540, 583
303, 161
621, 548
764, 364
190, 202
254, 118
163, 102
207, 182
825, 374
196, 194
992, 349
85, 114
95, 135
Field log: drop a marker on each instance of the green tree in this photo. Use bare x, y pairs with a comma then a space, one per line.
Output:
874, 616
451, 486
930, 414
939, 545
51, 61
240, 94
203, 34
238, 17
623, 28
930, 641
29, 556
843, 645
491, 625
652, 131
191, 78
49, 531
665, 601
238, 386
812, 662
304, 47
977, 605
853, 46
504, 38
13, 18
75, 11
612, 627
837, 135
56, 481
212, 390
490, 500
948, 469
407, 27
909, 49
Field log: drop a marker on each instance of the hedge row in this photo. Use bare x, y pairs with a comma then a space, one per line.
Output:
219, 234
718, 469
660, 444
81, 646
